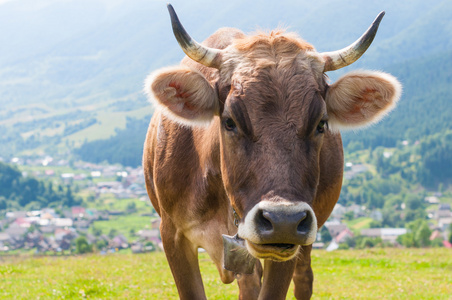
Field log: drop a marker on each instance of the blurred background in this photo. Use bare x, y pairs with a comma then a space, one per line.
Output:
73, 117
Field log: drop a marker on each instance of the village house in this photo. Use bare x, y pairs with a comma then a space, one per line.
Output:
4, 240
155, 224
343, 236
443, 216
119, 242
386, 234
151, 235
335, 228
432, 200
77, 212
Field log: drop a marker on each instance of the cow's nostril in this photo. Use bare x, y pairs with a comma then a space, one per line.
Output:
304, 225
264, 222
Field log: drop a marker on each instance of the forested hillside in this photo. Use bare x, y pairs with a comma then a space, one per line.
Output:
18, 192
125, 148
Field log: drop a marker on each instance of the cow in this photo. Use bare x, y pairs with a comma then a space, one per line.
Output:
244, 149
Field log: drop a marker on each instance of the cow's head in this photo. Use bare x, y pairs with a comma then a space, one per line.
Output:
275, 110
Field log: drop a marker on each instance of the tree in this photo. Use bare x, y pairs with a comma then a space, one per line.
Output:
3, 204
422, 235
368, 242
325, 234
418, 234
82, 246
113, 232
350, 215
413, 202
131, 206
406, 240
101, 244
96, 231
90, 198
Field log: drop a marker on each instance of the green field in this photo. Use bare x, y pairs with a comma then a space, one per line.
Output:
347, 274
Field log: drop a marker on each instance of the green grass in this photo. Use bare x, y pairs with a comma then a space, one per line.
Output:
109, 202
360, 223
348, 274
123, 224
108, 122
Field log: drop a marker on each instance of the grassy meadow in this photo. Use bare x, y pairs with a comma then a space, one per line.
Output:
347, 274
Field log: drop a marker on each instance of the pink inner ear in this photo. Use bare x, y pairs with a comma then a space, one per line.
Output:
369, 94
181, 104
370, 99
374, 96
179, 92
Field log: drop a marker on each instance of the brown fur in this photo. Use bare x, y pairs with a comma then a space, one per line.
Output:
278, 40
273, 87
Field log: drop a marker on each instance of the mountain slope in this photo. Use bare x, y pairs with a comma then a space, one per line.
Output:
63, 63
73, 49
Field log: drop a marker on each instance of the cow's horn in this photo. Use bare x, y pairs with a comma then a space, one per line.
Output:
344, 57
209, 57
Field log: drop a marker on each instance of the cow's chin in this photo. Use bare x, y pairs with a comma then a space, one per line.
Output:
276, 252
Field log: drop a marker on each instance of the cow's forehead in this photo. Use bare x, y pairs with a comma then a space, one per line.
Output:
285, 52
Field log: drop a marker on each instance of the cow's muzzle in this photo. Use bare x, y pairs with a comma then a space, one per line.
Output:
275, 230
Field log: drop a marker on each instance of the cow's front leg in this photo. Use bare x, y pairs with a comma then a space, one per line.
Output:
277, 277
182, 257
250, 284
303, 276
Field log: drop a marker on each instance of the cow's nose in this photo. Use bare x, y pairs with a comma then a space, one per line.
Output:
271, 220
275, 225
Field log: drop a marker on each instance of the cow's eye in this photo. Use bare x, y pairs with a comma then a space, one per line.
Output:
321, 127
229, 124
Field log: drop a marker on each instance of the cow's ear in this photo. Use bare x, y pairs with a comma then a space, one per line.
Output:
361, 98
184, 95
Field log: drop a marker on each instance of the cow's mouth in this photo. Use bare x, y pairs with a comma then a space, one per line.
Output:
273, 251
281, 246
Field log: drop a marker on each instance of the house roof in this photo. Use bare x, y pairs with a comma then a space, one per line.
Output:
343, 235
435, 234
444, 206
63, 222
392, 231
371, 232
47, 216
335, 229
16, 214
16, 231
77, 210
4, 237
383, 232
146, 233
23, 222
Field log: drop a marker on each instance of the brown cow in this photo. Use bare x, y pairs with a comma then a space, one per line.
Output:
246, 131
